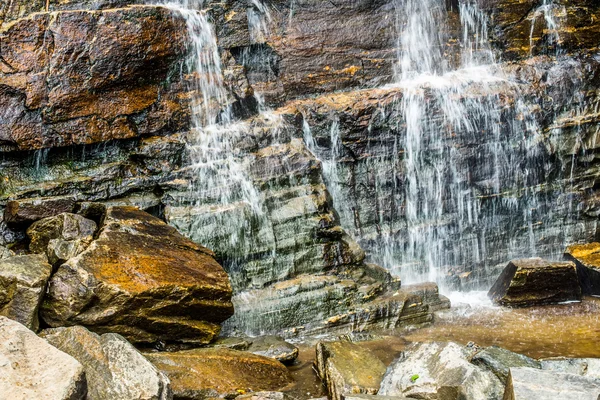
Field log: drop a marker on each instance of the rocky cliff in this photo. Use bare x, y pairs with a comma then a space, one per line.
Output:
95, 106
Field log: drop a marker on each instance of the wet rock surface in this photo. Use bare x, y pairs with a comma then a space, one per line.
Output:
529, 383
114, 369
33, 369
531, 281
274, 347
142, 279
61, 237
587, 259
205, 373
440, 371
346, 369
23, 282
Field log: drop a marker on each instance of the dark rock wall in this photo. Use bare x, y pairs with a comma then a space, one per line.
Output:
95, 107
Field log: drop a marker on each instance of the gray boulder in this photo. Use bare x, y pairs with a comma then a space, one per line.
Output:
114, 368
499, 361
23, 282
61, 237
433, 371
536, 384
30, 368
589, 367
274, 347
347, 368
5, 252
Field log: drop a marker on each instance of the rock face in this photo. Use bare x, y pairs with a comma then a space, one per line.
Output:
587, 259
532, 281
589, 367
114, 368
439, 371
32, 369
499, 361
274, 347
205, 373
142, 279
100, 71
346, 369
23, 282
529, 383
61, 237
58, 100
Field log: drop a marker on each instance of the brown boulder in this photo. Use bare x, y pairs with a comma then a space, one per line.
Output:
142, 279
204, 373
533, 281
29, 210
346, 368
61, 237
587, 259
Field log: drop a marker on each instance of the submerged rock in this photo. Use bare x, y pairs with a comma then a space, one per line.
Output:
274, 347
61, 237
434, 371
499, 361
346, 368
535, 384
203, 373
533, 281
587, 260
30, 368
22, 285
114, 368
142, 279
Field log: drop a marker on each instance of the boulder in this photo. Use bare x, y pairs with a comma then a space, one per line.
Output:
433, 371
589, 367
142, 279
114, 368
371, 397
23, 282
6, 252
233, 343
346, 368
534, 281
26, 211
30, 368
587, 259
499, 361
274, 347
61, 237
201, 373
535, 384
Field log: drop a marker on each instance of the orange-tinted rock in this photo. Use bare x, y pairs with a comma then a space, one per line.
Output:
587, 259
141, 279
81, 77
204, 373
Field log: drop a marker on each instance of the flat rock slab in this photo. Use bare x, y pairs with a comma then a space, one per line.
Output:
25, 211
587, 260
274, 347
201, 373
347, 368
435, 371
22, 285
534, 281
142, 279
30, 368
113, 367
499, 361
535, 384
